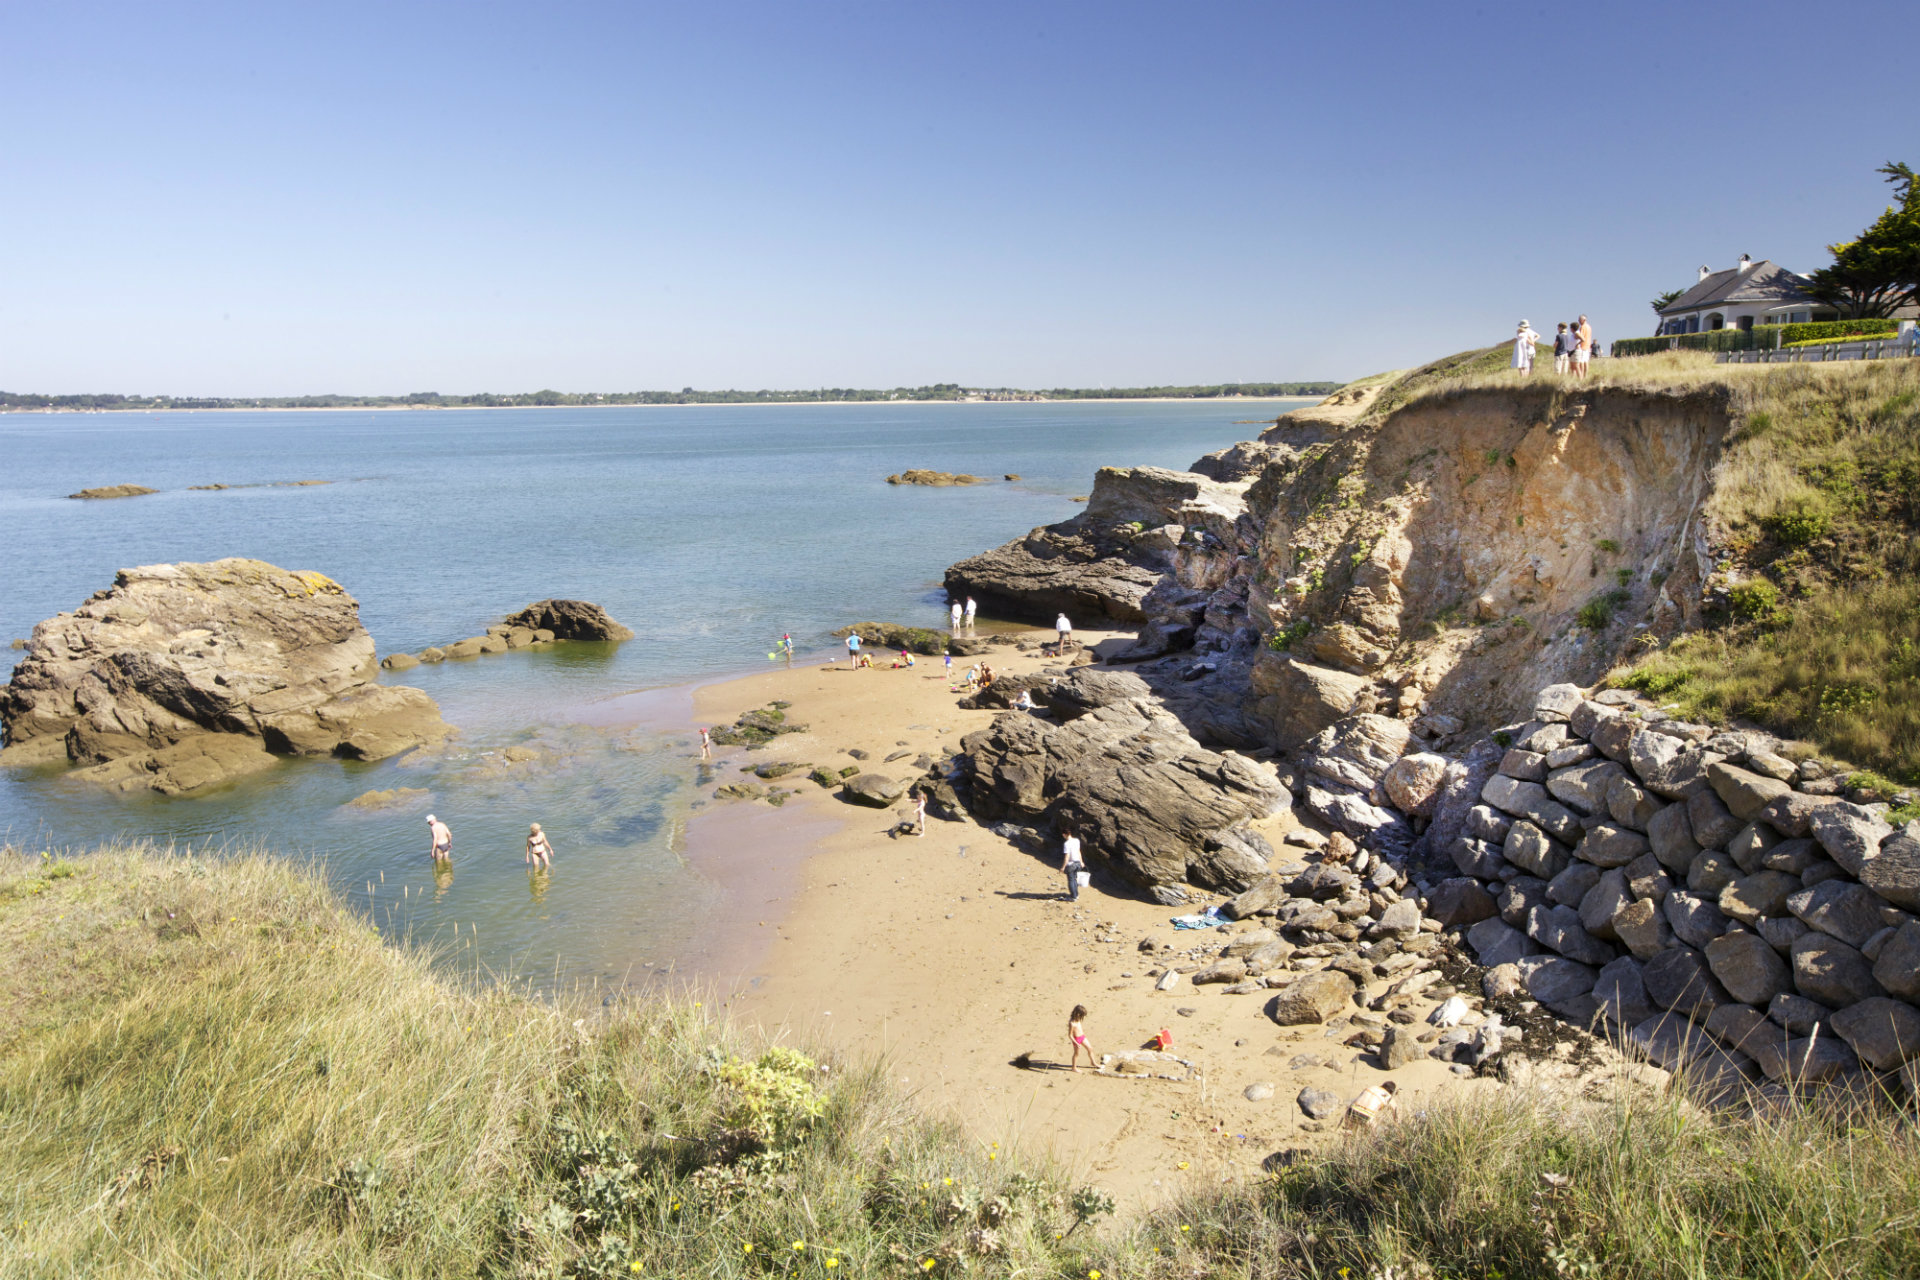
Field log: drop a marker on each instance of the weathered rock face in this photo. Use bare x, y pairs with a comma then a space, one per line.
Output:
181, 676
570, 620
1104, 561
1135, 786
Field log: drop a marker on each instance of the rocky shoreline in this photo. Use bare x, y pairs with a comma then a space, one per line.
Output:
1705, 894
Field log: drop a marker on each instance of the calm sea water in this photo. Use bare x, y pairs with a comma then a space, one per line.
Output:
708, 530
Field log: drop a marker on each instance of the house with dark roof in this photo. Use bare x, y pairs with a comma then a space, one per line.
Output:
1741, 297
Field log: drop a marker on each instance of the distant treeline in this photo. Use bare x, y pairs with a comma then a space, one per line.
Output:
687, 395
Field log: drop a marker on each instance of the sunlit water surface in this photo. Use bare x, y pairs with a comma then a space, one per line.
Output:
708, 530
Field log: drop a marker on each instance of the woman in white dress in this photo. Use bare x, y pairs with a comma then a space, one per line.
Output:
1524, 339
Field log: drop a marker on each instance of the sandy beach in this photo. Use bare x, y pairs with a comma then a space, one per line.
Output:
950, 955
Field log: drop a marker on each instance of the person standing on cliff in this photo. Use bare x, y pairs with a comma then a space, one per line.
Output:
441, 836
1524, 339
1563, 344
1071, 862
1583, 348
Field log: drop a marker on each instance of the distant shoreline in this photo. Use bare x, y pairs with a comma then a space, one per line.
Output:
692, 404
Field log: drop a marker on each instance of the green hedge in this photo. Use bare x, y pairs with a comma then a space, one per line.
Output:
1829, 329
1765, 337
1712, 340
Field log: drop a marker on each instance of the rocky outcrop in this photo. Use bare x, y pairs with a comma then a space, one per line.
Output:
185, 675
894, 636
1136, 787
937, 479
1430, 558
1104, 561
114, 491
569, 620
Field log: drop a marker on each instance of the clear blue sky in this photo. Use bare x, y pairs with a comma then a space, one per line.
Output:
283, 199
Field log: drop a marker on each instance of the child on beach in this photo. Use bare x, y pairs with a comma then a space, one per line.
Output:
539, 848
706, 745
1077, 1037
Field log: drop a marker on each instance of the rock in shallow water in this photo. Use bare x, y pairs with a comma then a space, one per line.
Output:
183, 676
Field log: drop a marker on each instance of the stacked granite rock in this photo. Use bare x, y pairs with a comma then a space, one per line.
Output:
1705, 897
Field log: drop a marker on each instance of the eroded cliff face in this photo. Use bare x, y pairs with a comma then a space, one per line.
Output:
1448, 561
1436, 564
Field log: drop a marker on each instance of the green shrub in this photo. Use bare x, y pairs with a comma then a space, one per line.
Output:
1597, 613
1657, 679
1796, 528
1754, 600
1296, 631
1607, 545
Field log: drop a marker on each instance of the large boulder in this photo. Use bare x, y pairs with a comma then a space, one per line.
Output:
1750, 970
1356, 751
875, 790
1413, 782
1894, 873
1136, 787
1086, 688
569, 620
1302, 698
1100, 563
269, 659
1312, 999
1828, 970
1885, 1033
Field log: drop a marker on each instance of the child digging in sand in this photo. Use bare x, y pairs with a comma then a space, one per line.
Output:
1077, 1037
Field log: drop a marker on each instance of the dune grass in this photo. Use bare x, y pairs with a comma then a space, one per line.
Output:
211, 1068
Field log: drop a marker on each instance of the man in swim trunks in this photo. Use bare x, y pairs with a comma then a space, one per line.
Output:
442, 850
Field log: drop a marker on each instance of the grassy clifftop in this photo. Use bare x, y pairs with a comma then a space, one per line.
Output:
210, 1068
1813, 603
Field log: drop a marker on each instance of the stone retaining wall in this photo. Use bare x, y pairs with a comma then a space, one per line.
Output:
1719, 905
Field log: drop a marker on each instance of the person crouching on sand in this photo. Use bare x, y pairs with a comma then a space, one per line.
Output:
539, 849
1077, 1037
441, 849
